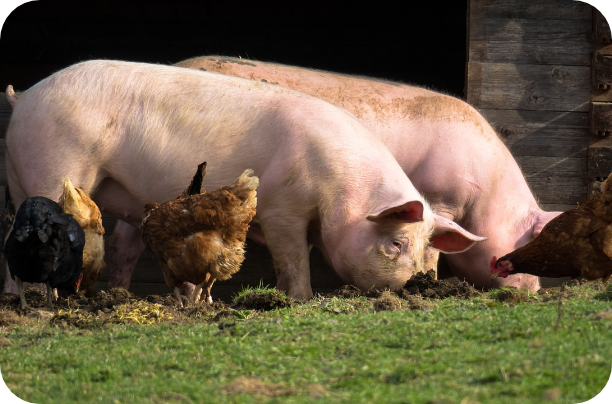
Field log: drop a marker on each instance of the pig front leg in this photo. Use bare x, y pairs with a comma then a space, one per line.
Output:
287, 242
126, 246
10, 287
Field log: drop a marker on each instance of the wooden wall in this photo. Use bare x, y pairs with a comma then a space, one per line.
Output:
529, 73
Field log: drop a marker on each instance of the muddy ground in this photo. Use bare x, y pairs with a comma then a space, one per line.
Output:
118, 306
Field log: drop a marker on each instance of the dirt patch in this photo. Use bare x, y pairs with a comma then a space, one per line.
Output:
118, 306
115, 306
266, 300
248, 385
415, 302
425, 285
347, 292
512, 296
388, 301
10, 318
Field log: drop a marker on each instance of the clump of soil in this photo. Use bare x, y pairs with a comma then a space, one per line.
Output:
264, 300
388, 301
512, 296
347, 292
416, 302
10, 318
107, 299
426, 285
75, 318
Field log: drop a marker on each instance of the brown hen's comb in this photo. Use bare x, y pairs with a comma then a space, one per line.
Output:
492, 263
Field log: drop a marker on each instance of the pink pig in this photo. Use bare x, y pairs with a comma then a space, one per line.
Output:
448, 150
131, 133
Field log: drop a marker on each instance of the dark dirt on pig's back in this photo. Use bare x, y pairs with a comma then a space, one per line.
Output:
45, 245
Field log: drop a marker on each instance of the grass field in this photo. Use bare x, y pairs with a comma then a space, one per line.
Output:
496, 347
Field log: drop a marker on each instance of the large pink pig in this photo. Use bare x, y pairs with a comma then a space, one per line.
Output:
130, 133
448, 150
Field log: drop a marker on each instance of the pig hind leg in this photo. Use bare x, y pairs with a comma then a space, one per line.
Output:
126, 245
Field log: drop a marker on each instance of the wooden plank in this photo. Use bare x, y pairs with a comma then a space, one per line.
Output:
601, 28
601, 75
600, 159
5, 115
556, 207
600, 114
572, 53
504, 40
3, 179
559, 190
538, 166
542, 133
528, 87
538, 9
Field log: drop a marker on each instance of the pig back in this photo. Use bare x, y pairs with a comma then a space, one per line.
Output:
147, 126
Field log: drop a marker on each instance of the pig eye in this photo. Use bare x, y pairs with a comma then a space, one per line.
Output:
397, 244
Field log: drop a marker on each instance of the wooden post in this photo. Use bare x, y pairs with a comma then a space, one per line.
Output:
5, 114
600, 108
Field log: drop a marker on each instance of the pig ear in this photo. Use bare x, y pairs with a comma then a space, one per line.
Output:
450, 238
409, 212
542, 218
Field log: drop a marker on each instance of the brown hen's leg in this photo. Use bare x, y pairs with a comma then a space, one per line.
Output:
207, 287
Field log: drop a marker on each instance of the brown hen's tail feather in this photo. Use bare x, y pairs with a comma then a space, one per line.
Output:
76, 202
245, 185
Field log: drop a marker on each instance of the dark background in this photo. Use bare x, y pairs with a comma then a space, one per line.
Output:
418, 42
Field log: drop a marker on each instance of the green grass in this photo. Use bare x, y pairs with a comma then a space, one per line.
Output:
479, 350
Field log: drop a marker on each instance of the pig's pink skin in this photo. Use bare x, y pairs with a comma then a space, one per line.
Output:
130, 133
448, 150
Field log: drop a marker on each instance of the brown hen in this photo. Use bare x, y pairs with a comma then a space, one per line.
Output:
576, 243
87, 214
200, 238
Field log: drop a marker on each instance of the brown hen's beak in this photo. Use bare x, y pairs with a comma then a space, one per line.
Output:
494, 275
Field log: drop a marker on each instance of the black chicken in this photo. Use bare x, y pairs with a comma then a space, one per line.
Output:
45, 245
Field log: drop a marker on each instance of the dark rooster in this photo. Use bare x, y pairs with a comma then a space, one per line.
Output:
45, 246
576, 243
200, 238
